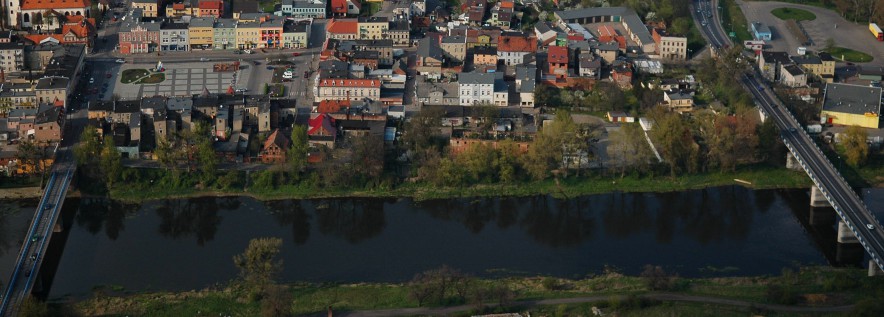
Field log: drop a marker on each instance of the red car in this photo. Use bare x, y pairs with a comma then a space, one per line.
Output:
108, 75
296, 54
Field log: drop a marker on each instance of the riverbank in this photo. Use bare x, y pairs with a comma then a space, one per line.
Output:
754, 177
808, 290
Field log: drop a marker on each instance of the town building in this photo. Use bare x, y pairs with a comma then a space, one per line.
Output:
455, 48
630, 21
248, 34
343, 29
303, 9
201, 33
846, 104
224, 34
678, 100
296, 34
32, 11
275, 148
526, 80
821, 65
770, 63
174, 37
181, 9
792, 76
482, 88
11, 57
343, 8
437, 94
557, 58
670, 46
502, 14
373, 28
514, 47
149, 8
348, 89
211, 8
484, 55
400, 33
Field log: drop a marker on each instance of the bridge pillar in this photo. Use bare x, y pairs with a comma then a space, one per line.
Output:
817, 199
844, 233
792, 162
874, 270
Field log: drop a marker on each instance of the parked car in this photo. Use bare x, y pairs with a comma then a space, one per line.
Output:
306, 74
108, 75
870, 226
296, 54
203, 59
247, 51
287, 75
242, 90
91, 80
121, 61
270, 68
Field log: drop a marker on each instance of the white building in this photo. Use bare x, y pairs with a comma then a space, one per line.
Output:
477, 88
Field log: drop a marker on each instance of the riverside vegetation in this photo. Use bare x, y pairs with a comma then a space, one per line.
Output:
256, 293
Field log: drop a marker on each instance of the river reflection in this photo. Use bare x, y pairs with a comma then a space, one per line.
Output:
189, 243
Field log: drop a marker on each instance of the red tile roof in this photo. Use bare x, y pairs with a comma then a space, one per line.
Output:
606, 30
343, 26
55, 4
211, 5
323, 124
506, 4
80, 30
332, 106
558, 54
339, 6
178, 6
350, 83
276, 138
517, 43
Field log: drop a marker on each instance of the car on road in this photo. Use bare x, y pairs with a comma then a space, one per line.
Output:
270, 68
247, 51
287, 75
237, 52
203, 59
792, 130
306, 74
242, 90
108, 75
870, 226
296, 54
256, 63
35, 237
121, 61
91, 80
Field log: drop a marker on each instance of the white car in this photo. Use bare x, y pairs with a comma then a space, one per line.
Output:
121, 61
288, 75
247, 51
870, 226
242, 90
203, 59
92, 80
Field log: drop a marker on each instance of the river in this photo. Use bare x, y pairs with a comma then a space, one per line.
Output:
188, 244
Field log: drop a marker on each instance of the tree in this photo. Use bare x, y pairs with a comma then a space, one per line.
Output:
31, 307
549, 146
681, 26
488, 115
545, 95
629, 150
276, 302
367, 157
856, 148
166, 154
110, 161
675, 142
208, 161
88, 150
421, 288
297, 155
829, 45
258, 265
420, 130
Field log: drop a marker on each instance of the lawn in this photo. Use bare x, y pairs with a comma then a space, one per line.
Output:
849, 55
734, 20
793, 14
132, 75
268, 6
153, 79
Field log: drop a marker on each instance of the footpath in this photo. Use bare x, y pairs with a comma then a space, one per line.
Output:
669, 297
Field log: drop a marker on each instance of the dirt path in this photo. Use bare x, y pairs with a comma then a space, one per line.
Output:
19, 193
442, 311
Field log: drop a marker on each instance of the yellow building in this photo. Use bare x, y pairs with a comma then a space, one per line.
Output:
201, 33
248, 35
148, 7
845, 104
373, 28
181, 9
822, 66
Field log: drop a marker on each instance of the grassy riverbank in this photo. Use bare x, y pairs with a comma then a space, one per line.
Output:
613, 292
756, 177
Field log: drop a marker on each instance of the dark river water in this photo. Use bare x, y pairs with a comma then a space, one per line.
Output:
189, 243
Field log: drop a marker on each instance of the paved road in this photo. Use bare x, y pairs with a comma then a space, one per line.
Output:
701, 10
828, 24
424, 311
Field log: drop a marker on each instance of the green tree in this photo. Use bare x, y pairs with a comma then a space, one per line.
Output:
31, 307
421, 129
681, 26
276, 302
548, 149
546, 96
629, 150
675, 141
208, 161
856, 148
110, 161
367, 157
165, 154
297, 155
258, 265
88, 150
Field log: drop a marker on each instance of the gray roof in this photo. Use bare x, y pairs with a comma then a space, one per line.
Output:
775, 57
179, 104
457, 39
52, 83
202, 22
23, 112
485, 50
806, 59
678, 95
543, 27
854, 99
149, 26
225, 24
447, 89
428, 47
527, 75
307, 4
794, 70
761, 28
478, 78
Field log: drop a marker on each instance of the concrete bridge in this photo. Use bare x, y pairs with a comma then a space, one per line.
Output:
27, 267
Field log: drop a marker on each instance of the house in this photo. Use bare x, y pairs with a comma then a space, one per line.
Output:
373, 28
137, 37
430, 56
455, 47
224, 34
845, 104
628, 18
822, 65
383, 47
180, 9
526, 79
484, 55
48, 124
590, 65
296, 34
792, 75
557, 58
314, 9
343, 29
428, 93
619, 117
244, 7
148, 7
502, 14
400, 32
670, 46
545, 33
275, 148
608, 51
678, 100
475, 11
343, 8
482, 88
201, 33
248, 34
11, 59
321, 131
348, 89
770, 62
514, 47
621, 74
174, 37
32, 11
211, 8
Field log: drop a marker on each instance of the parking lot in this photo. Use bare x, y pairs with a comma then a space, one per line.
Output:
828, 24
184, 79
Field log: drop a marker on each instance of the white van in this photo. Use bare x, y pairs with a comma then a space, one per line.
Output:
287, 75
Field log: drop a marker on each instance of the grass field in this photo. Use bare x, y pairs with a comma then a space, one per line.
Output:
153, 79
849, 55
132, 75
793, 14
734, 20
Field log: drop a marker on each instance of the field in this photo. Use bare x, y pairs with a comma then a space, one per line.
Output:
849, 55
